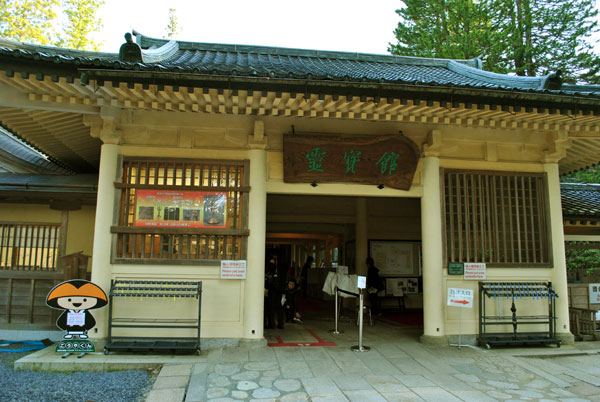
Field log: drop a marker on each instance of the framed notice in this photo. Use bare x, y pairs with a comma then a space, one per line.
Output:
475, 271
183, 209
395, 258
233, 269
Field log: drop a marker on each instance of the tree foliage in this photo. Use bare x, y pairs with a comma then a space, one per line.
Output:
27, 20
172, 27
524, 37
582, 259
64, 23
589, 175
442, 28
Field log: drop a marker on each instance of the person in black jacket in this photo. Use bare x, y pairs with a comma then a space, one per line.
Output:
291, 302
374, 285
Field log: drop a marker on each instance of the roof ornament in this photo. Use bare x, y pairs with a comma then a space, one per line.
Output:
553, 80
130, 51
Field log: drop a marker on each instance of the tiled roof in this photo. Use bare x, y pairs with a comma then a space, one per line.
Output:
17, 152
44, 183
581, 201
282, 63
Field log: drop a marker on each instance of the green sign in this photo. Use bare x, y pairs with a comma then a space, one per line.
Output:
75, 346
456, 268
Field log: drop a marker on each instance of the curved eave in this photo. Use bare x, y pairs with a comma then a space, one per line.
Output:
388, 89
108, 68
74, 89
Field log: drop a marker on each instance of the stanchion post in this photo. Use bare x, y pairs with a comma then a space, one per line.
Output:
335, 331
459, 344
360, 347
459, 327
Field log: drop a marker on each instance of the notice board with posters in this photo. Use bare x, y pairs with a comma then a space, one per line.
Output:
396, 258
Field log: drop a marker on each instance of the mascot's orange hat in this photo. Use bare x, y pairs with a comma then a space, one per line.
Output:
77, 288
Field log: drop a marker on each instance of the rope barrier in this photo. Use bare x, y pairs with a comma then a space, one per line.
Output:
346, 292
335, 331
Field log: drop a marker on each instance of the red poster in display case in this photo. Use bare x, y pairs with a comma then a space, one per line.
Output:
181, 209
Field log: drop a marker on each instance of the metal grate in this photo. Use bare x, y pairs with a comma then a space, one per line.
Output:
497, 218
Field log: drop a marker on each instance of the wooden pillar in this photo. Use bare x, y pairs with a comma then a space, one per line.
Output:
105, 210
257, 223
559, 272
431, 226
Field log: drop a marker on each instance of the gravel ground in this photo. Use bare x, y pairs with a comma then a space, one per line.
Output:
36, 386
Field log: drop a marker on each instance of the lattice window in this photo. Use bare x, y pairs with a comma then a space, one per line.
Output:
497, 218
181, 210
29, 246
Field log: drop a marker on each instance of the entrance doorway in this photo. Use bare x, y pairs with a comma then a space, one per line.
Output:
325, 228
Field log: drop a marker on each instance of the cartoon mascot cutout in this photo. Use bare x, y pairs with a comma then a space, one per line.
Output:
76, 297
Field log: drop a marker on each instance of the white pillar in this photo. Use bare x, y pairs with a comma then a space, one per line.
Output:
361, 236
105, 210
257, 218
431, 229
559, 272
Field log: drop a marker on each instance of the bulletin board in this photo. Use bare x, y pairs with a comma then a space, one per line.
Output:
396, 258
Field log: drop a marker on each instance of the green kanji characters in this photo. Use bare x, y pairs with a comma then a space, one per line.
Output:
351, 159
315, 159
388, 162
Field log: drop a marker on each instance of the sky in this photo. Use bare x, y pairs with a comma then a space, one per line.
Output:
340, 25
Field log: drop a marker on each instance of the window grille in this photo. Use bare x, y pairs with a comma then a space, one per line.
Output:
29, 247
497, 218
200, 217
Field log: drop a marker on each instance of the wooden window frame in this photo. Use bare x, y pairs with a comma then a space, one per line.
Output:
531, 219
123, 229
30, 232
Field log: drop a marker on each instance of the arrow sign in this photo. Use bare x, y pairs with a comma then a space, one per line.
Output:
460, 297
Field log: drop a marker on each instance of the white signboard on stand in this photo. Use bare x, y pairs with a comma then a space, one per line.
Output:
460, 297
233, 269
361, 282
474, 271
594, 293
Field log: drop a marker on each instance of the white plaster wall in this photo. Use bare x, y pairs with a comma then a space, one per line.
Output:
213, 136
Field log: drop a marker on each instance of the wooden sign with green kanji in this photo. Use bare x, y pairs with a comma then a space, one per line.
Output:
389, 160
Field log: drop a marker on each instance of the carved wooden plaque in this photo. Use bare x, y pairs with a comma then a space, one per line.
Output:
389, 160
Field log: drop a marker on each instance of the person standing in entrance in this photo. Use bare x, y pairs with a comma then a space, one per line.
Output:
274, 282
304, 276
374, 285
291, 302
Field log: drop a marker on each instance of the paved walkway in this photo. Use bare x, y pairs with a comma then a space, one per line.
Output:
397, 368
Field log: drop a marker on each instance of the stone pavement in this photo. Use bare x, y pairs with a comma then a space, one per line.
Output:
397, 368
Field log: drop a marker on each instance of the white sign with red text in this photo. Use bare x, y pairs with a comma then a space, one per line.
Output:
233, 269
594, 293
460, 297
474, 271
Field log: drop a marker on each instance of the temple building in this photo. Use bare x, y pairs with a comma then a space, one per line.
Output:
446, 174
